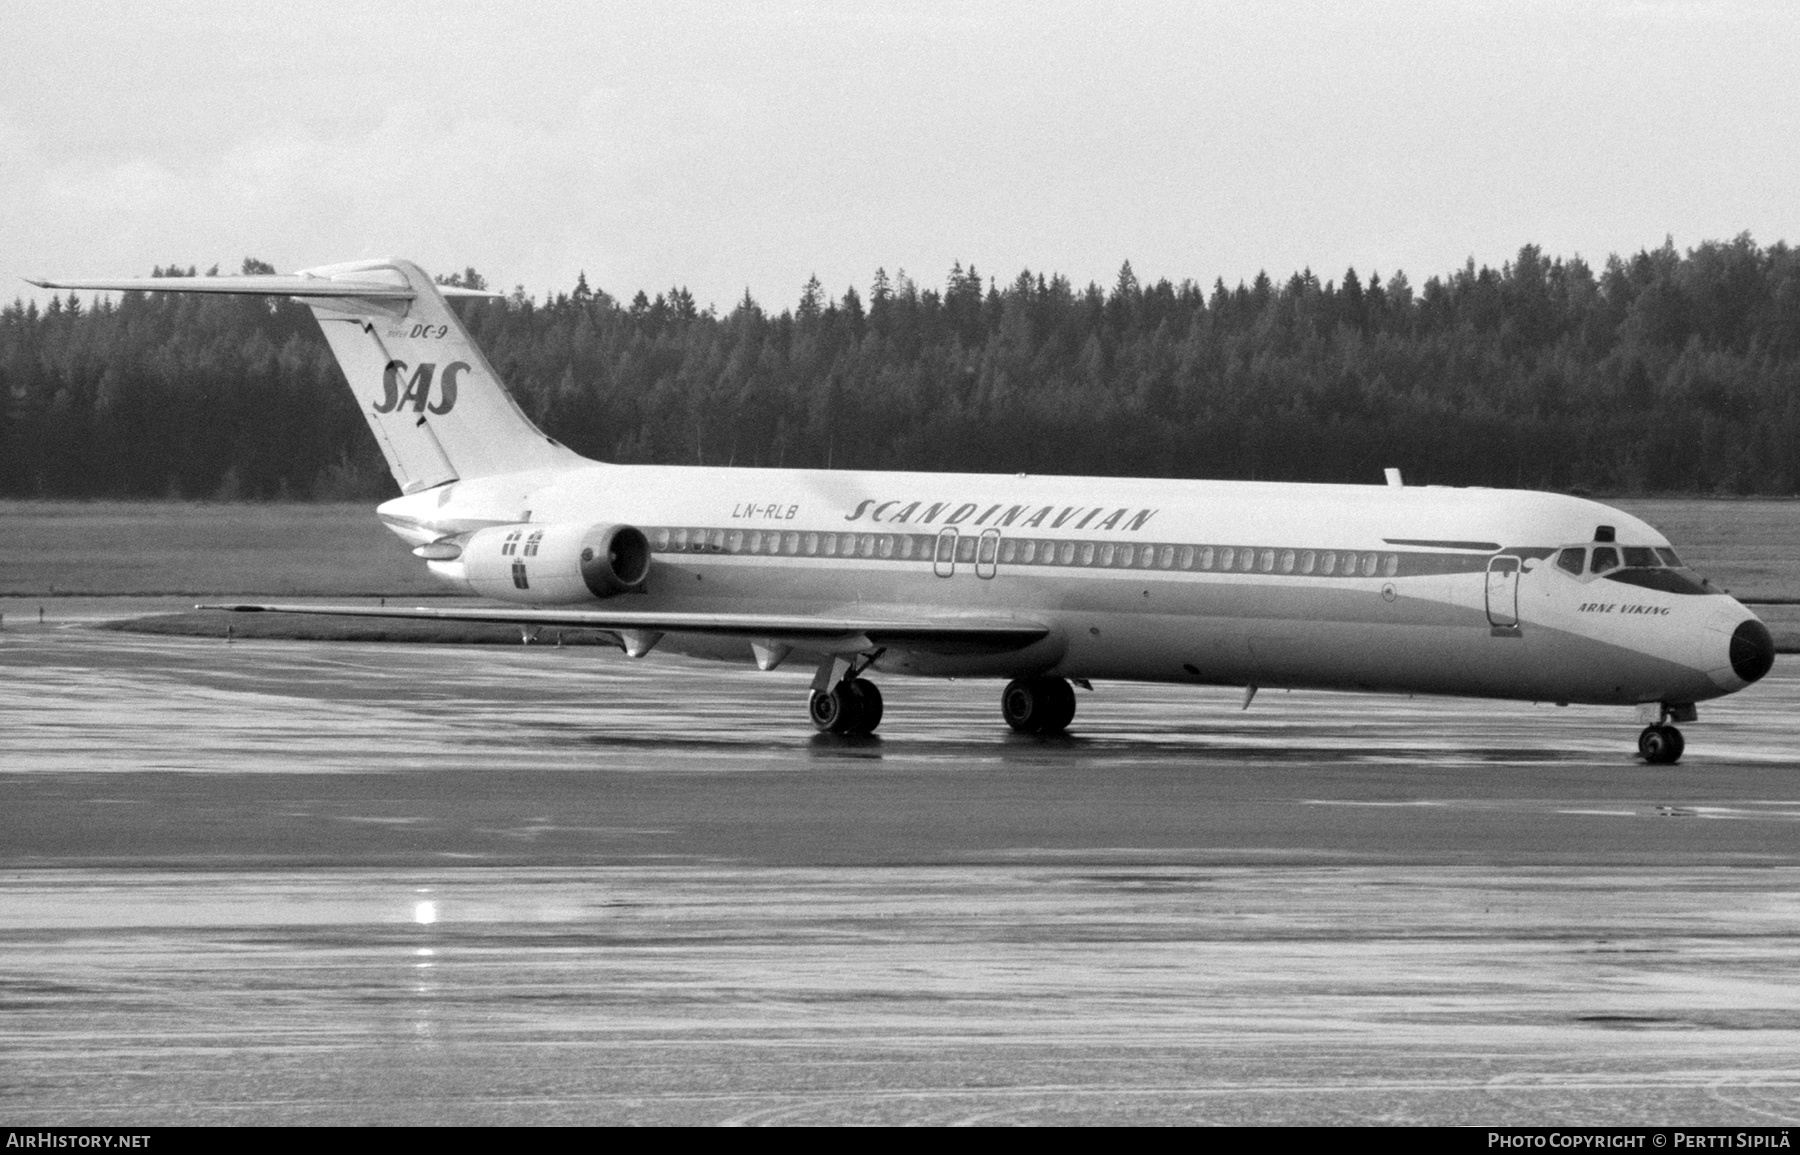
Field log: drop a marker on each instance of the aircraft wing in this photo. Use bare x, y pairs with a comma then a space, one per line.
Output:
840, 634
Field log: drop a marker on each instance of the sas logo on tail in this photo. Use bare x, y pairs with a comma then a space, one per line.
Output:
418, 388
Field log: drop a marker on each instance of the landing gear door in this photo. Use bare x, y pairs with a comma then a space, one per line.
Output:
943, 562
1503, 592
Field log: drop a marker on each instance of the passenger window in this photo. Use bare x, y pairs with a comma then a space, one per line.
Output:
1605, 558
1009, 549
1328, 563
1126, 552
866, 547
790, 544
1287, 561
1087, 553
965, 548
1641, 556
1572, 560
678, 538
1246, 560
886, 545
1107, 553
1206, 558
1046, 553
1226, 557
1390, 565
1185, 557
1368, 565
1308, 560
716, 539
1165, 557
1268, 561
812, 544
1028, 551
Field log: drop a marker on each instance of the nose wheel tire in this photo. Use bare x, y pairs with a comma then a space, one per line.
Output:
1661, 745
852, 706
1038, 705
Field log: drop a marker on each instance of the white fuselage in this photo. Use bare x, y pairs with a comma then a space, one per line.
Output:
1430, 590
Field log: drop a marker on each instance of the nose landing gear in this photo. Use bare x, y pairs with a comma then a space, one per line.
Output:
1661, 744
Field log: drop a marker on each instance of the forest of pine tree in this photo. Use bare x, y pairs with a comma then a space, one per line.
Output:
1663, 372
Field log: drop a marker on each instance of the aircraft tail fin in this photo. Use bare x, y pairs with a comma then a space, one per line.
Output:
437, 408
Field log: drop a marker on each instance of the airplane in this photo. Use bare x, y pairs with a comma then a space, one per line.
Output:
1047, 581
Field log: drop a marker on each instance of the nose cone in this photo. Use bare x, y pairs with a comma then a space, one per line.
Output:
1752, 650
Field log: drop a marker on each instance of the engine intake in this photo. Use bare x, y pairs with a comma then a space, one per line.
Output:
614, 559
555, 564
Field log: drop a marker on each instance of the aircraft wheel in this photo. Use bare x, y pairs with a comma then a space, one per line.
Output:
1661, 745
1037, 705
868, 705
1019, 704
1060, 699
835, 711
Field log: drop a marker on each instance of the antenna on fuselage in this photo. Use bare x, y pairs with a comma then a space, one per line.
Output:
1393, 478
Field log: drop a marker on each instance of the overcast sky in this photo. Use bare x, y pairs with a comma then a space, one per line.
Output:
726, 147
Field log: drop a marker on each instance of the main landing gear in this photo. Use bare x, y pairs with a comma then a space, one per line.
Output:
852, 707
842, 700
1038, 705
1661, 744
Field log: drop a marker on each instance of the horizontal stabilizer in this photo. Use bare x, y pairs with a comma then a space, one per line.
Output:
437, 409
298, 285
845, 633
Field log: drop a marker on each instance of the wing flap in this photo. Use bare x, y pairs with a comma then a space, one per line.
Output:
838, 633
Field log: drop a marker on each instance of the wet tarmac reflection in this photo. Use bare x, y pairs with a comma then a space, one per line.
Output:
288, 882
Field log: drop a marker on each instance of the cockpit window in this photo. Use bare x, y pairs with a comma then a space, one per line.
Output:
1669, 581
1652, 567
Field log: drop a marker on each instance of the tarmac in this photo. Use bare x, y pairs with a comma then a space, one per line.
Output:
286, 882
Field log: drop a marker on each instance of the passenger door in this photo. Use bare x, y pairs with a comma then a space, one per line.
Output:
1503, 592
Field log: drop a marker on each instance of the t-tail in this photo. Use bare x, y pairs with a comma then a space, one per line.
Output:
435, 405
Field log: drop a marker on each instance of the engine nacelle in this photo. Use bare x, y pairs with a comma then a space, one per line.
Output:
555, 564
